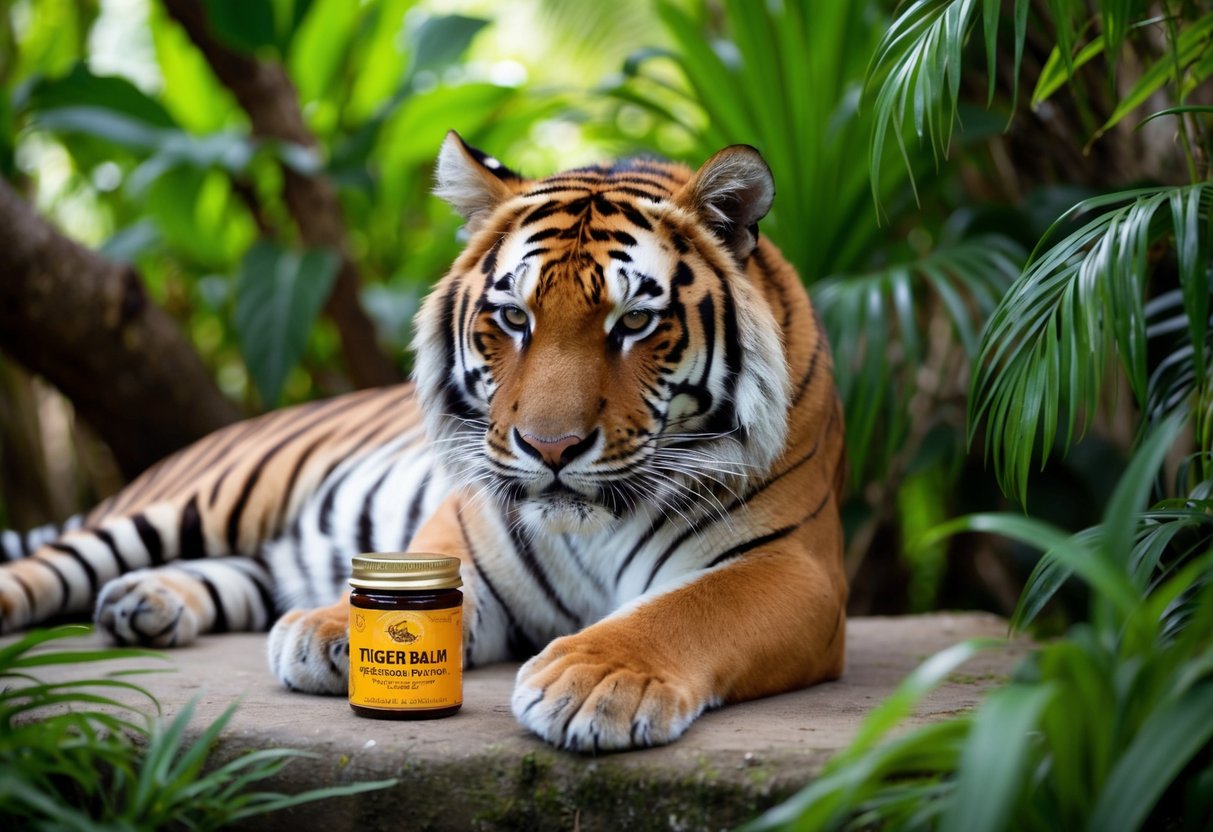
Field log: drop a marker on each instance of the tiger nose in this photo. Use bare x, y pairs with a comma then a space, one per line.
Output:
556, 453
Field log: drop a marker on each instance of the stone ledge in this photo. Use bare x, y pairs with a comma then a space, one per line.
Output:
479, 770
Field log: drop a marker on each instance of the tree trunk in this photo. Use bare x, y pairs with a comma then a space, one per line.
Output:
266, 94
87, 325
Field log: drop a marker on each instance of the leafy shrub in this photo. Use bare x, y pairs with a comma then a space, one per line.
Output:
72, 757
1107, 728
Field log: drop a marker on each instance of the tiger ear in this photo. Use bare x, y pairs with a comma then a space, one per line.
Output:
731, 192
471, 181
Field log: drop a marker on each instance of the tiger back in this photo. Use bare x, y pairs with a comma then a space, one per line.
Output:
623, 422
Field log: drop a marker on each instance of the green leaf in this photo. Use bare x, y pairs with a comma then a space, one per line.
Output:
902, 702
246, 25
1048, 576
1080, 300
81, 88
440, 41
1164, 744
846, 787
1107, 581
1175, 111
320, 46
879, 373
995, 761
1128, 500
289, 16
916, 69
278, 802
111, 125
127, 244
279, 293
191, 93
1193, 42
36, 637
1059, 69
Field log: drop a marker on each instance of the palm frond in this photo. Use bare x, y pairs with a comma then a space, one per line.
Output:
1189, 48
875, 322
917, 67
1041, 361
786, 80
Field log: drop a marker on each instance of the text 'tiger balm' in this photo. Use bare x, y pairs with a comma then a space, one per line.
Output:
406, 636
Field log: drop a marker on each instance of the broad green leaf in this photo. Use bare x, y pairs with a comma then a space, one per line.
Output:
247, 25
994, 764
127, 244
1128, 500
320, 46
196, 212
191, 92
440, 41
110, 125
436, 43
379, 63
1164, 744
279, 293
288, 17
81, 88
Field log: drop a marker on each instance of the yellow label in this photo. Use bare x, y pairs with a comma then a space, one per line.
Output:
406, 659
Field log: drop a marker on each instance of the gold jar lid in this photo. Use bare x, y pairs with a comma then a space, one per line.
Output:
405, 570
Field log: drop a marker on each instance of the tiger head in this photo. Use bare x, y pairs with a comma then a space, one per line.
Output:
597, 350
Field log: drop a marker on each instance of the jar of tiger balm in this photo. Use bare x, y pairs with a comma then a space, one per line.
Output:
406, 636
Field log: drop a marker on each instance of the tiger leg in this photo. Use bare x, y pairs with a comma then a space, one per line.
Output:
63, 573
767, 623
170, 606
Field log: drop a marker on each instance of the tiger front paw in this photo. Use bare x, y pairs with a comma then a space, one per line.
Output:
583, 698
146, 609
309, 650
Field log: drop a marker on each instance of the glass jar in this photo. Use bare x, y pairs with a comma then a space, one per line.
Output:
406, 636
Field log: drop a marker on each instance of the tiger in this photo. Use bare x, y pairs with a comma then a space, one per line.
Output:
622, 420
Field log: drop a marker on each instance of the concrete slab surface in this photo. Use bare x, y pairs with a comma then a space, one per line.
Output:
480, 770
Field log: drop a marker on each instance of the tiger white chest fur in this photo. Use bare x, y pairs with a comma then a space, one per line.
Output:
532, 588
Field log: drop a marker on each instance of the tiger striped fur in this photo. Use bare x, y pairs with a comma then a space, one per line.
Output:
623, 422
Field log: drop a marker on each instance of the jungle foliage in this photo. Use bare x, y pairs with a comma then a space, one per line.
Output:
1108, 727
83, 754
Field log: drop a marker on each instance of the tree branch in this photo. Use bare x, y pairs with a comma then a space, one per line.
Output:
266, 94
85, 323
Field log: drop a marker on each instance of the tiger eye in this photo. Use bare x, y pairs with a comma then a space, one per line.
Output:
514, 316
636, 320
